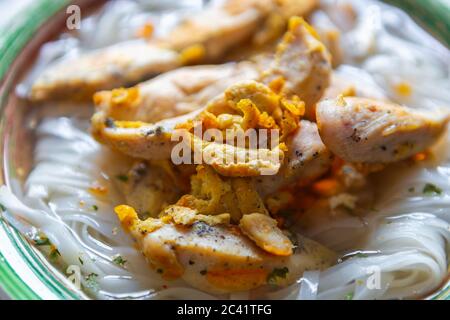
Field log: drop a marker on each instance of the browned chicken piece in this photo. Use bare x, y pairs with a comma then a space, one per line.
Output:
138, 139
360, 130
299, 47
149, 188
245, 162
202, 37
219, 259
302, 63
173, 93
307, 160
221, 26
158, 142
269, 32
264, 232
235, 23
190, 88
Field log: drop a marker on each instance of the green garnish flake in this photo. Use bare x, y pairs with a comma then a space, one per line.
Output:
276, 274
91, 281
431, 189
122, 177
361, 255
2, 208
119, 260
95, 207
349, 296
81, 260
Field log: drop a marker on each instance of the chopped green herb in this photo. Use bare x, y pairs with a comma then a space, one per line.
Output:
431, 189
41, 240
2, 207
361, 255
91, 281
119, 260
203, 272
349, 296
122, 177
95, 207
81, 260
277, 273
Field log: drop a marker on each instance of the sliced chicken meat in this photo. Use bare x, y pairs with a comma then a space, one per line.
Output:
150, 187
173, 93
152, 141
80, 77
138, 139
371, 131
307, 159
190, 88
302, 63
220, 259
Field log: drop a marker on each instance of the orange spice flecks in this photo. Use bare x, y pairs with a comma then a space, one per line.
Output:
326, 187
421, 156
403, 89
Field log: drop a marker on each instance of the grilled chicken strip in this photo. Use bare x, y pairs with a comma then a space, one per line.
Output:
173, 93
149, 188
190, 88
360, 130
152, 141
138, 139
203, 37
307, 160
303, 63
79, 78
219, 259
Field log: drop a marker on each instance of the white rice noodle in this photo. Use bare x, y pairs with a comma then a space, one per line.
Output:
58, 203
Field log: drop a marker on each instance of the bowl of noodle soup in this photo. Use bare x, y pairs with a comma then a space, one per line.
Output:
60, 237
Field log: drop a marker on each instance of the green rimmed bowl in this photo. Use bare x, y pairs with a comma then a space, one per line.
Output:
24, 271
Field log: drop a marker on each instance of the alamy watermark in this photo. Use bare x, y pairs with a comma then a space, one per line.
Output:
73, 21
